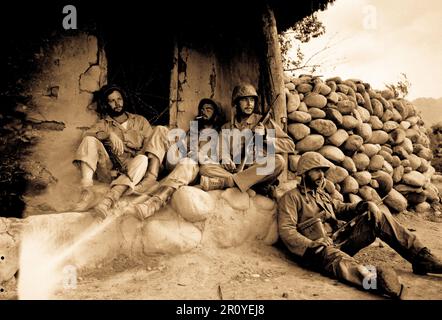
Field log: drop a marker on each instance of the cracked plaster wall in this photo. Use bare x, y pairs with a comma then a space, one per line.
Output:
72, 68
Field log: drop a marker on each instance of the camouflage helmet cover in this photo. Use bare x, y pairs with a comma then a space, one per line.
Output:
312, 160
243, 90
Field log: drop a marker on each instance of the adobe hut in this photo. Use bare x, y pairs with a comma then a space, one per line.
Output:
168, 57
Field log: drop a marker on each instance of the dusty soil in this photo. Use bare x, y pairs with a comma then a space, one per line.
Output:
252, 271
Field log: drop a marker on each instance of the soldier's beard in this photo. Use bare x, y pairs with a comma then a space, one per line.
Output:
115, 113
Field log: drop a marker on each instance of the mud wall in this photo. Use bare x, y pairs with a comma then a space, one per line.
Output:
59, 109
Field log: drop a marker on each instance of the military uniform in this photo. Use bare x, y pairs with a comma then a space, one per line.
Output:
95, 149
299, 206
250, 176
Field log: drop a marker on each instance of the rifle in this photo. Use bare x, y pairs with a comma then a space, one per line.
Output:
249, 145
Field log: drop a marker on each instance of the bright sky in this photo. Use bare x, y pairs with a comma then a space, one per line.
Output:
377, 40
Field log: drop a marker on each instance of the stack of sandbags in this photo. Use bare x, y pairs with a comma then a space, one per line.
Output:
378, 143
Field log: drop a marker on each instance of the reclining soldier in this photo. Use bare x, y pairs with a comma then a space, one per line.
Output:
161, 153
324, 233
114, 143
229, 173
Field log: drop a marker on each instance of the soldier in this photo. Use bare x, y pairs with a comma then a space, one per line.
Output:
184, 173
313, 227
114, 143
228, 174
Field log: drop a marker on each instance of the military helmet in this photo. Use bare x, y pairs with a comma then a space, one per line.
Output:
244, 90
312, 160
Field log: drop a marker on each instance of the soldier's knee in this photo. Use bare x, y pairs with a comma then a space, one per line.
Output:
140, 161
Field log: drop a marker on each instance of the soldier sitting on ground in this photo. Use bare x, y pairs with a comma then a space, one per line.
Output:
230, 174
114, 143
313, 227
163, 157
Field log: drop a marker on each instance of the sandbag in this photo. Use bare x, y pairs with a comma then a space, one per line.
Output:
304, 88
390, 126
397, 136
349, 185
423, 207
312, 142
365, 115
333, 97
298, 131
362, 177
346, 107
338, 138
349, 165
332, 153
370, 149
378, 108
361, 161
349, 122
293, 101
315, 100
316, 113
414, 178
415, 161
300, 116
365, 131
396, 201
333, 115
378, 137
376, 163
385, 182
354, 198
323, 127
336, 174
353, 143
376, 123
367, 193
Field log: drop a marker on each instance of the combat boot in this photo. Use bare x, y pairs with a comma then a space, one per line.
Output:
87, 197
103, 207
425, 262
157, 200
388, 283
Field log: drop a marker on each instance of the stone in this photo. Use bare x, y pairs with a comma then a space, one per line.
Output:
169, 236
193, 204
236, 199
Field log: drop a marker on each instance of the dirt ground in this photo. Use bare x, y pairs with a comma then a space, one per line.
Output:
252, 271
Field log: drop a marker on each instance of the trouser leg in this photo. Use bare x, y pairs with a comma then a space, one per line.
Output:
92, 153
182, 175
336, 263
258, 173
384, 226
215, 171
136, 169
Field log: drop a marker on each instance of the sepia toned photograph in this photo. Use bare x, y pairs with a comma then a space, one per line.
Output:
201, 151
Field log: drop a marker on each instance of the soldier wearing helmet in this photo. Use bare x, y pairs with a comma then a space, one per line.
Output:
324, 233
246, 116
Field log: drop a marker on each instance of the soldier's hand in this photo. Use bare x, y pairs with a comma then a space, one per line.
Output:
320, 243
228, 164
373, 210
116, 144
